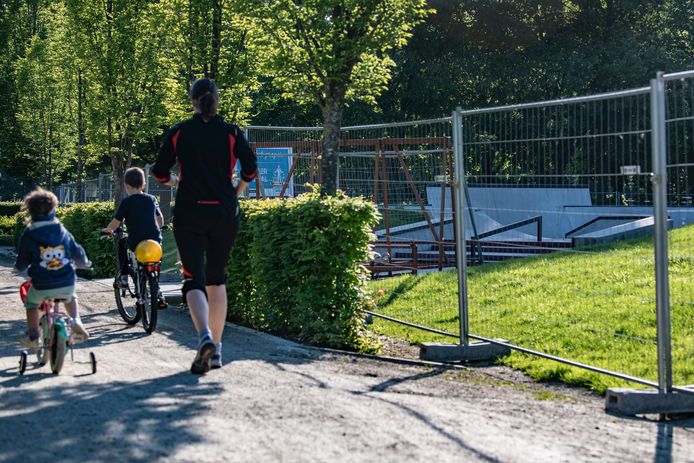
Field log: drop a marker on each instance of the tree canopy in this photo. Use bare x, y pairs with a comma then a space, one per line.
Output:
91, 86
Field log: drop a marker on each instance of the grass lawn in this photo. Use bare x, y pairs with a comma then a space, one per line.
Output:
595, 305
169, 257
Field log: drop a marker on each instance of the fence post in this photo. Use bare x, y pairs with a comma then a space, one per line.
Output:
464, 350
461, 261
659, 180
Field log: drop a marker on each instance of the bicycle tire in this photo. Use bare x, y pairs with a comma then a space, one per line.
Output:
150, 291
126, 302
23, 356
42, 353
58, 349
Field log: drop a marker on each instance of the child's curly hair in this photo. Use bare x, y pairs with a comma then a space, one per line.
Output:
40, 202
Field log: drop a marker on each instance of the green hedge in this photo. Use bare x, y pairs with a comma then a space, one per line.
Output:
11, 228
84, 221
296, 269
9, 208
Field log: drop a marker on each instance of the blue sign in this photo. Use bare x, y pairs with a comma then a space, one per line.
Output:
273, 167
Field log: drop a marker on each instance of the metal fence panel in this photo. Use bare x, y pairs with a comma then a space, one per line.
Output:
583, 165
679, 123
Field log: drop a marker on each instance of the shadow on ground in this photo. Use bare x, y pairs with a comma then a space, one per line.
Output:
119, 420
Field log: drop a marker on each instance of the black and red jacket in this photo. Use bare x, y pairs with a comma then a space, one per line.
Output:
206, 153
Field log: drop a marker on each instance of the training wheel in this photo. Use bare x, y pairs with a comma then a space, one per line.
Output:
92, 359
23, 362
41, 356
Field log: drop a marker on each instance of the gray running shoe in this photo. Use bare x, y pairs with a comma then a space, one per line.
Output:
216, 361
201, 364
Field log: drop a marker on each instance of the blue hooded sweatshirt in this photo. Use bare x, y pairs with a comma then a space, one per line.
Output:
48, 250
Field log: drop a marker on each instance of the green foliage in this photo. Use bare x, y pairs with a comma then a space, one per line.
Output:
329, 52
8, 208
9, 226
207, 38
84, 221
296, 269
321, 42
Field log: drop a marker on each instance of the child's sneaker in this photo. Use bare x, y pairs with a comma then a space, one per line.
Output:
123, 280
162, 302
32, 344
79, 333
206, 349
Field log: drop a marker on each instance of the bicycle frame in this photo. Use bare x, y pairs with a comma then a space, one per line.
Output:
138, 268
52, 323
52, 316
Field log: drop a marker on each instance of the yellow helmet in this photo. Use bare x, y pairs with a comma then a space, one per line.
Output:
148, 251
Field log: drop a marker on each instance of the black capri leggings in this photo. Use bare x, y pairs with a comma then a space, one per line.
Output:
204, 243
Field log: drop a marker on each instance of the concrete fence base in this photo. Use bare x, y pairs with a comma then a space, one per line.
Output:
647, 401
473, 352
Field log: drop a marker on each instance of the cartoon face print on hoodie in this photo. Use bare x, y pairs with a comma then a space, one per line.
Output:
53, 257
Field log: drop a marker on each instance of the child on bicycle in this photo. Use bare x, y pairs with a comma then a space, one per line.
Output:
143, 218
49, 254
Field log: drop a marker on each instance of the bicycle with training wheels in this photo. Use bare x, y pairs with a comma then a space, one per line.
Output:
138, 295
56, 336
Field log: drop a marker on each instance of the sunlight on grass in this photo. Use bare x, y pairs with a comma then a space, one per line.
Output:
595, 306
170, 256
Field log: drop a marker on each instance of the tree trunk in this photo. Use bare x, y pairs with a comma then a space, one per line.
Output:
81, 93
50, 157
216, 38
118, 165
332, 123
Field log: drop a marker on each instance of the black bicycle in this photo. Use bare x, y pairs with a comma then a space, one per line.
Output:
137, 293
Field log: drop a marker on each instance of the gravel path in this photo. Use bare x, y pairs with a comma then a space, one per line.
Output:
278, 401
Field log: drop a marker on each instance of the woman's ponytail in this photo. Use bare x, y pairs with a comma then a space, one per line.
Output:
205, 92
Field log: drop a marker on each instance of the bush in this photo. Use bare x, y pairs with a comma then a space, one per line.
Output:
9, 208
84, 221
11, 229
297, 269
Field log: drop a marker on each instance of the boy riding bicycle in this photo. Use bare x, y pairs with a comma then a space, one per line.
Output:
143, 218
50, 253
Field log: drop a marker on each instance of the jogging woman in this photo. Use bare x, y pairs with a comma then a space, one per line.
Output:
206, 214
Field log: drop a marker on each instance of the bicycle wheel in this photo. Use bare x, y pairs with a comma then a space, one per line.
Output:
150, 291
126, 300
23, 362
58, 348
42, 353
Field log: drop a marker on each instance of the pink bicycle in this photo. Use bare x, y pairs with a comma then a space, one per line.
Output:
56, 336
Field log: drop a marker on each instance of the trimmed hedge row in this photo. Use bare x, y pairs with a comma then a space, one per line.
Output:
83, 220
296, 269
9, 208
8, 228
